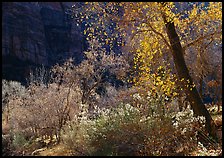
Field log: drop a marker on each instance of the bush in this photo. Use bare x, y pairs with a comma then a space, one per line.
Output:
7, 147
14, 145
19, 140
11, 89
125, 131
43, 112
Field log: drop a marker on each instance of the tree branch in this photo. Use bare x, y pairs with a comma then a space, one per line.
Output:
200, 39
161, 35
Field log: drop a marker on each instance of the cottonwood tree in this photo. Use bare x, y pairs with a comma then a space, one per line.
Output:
203, 54
159, 28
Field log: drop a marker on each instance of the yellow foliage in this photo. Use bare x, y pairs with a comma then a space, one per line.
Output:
143, 30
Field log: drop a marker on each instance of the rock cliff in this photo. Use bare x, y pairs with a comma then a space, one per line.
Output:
37, 33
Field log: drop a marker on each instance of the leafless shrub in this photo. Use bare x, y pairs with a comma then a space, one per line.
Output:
92, 73
41, 110
45, 107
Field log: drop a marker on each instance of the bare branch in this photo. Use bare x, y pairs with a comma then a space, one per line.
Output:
200, 39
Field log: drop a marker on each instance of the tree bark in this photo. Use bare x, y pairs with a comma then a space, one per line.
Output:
193, 96
201, 86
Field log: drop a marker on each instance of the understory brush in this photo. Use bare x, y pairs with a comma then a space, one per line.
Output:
125, 131
122, 122
84, 110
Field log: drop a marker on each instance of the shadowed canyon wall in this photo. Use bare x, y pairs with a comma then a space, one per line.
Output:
37, 33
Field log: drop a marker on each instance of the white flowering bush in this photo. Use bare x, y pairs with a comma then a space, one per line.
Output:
203, 151
81, 134
10, 90
134, 127
125, 130
154, 103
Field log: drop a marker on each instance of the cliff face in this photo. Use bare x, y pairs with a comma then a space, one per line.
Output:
37, 33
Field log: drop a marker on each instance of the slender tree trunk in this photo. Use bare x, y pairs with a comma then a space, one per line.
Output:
201, 87
183, 73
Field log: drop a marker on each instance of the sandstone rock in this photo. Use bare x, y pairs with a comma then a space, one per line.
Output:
38, 33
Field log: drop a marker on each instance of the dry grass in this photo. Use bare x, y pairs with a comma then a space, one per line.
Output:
57, 150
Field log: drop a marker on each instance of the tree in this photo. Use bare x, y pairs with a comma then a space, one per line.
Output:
155, 30
183, 72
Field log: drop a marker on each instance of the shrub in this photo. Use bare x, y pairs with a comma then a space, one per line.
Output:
125, 131
92, 73
19, 140
43, 112
7, 147
18, 144
11, 89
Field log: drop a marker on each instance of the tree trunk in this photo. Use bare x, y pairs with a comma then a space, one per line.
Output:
193, 96
201, 87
